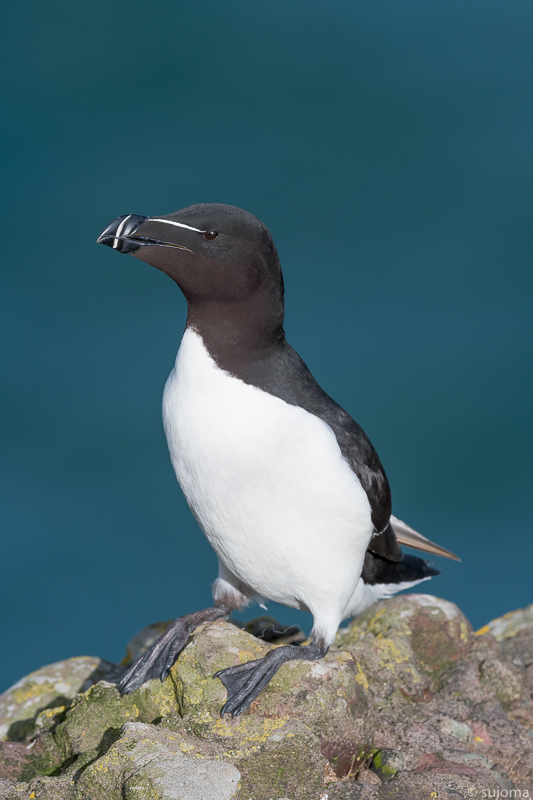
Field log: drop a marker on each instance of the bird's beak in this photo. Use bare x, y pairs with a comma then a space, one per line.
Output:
119, 234
122, 235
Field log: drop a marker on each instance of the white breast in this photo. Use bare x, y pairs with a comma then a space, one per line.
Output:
268, 485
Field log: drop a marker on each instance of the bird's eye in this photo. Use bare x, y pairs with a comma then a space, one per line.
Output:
209, 235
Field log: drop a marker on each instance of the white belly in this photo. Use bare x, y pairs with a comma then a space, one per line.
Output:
268, 485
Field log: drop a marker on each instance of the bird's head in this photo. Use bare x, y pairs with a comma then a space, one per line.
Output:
223, 259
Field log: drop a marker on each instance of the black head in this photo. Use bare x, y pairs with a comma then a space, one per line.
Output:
223, 259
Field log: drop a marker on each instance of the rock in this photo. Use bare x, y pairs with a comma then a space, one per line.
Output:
321, 707
510, 624
458, 729
8, 792
60, 788
20, 761
96, 716
434, 783
149, 761
387, 763
315, 712
438, 688
407, 644
46, 689
409, 703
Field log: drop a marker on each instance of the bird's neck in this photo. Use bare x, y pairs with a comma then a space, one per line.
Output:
236, 334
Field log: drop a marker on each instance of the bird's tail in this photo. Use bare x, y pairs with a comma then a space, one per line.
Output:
383, 578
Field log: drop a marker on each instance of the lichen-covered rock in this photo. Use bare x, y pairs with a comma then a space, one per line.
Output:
510, 624
327, 697
440, 779
316, 712
41, 788
58, 788
9, 792
48, 688
96, 716
514, 632
276, 757
151, 762
211, 647
408, 704
407, 644
465, 704
20, 761
387, 763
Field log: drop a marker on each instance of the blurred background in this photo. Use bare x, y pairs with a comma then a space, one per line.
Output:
389, 148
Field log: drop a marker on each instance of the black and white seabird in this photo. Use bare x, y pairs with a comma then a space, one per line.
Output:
285, 485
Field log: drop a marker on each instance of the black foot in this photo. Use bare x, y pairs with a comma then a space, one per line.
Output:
245, 681
157, 661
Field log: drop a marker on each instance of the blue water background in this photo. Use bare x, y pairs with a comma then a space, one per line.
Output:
389, 148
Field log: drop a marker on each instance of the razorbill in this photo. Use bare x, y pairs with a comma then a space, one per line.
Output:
285, 485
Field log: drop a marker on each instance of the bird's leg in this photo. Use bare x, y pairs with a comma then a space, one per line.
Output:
157, 661
245, 681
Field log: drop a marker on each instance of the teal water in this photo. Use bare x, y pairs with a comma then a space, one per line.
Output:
389, 148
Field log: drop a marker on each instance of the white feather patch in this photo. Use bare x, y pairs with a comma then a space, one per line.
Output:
269, 487
367, 594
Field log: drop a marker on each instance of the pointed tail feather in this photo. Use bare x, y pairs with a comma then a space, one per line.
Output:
410, 538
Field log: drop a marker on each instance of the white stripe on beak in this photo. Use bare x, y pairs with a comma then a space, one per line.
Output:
119, 231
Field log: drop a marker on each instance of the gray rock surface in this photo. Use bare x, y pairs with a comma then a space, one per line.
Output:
46, 689
410, 703
150, 761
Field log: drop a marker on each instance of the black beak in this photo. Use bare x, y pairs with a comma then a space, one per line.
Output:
117, 234
121, 235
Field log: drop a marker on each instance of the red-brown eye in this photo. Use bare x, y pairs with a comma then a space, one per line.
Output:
209, 235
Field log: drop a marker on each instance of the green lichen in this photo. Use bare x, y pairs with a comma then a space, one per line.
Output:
288, 766
211, 648
384, 770
96, 717
47, 688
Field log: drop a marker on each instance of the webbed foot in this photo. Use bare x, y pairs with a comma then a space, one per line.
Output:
244, 682
157, 661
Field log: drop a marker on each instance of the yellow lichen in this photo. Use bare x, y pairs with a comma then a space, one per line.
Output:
32, 692
414, 673
245, 656
391, 655
51, 712
360, 676
247, 730
481, 631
